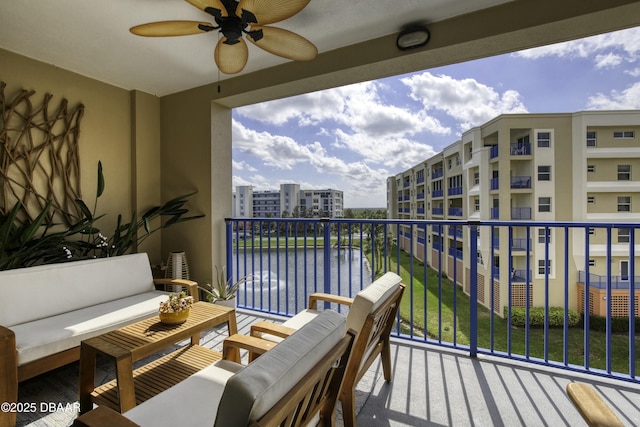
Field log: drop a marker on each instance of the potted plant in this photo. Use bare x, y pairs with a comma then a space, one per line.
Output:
176, 309
222, 291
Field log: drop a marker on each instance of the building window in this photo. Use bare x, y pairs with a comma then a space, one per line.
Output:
544, 173
592, 263
624, 204
591, 200
541, 233
591, 168
476, 204
541, 267
623, 235
592, 231
544, 204
449, 163
623, 134
544, 139
624, 172
591, 139
476, 178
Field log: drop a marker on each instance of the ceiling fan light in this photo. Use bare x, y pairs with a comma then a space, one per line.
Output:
412, 38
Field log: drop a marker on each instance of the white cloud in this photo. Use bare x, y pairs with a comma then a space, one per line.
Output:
628, 99
285, 153
258, 182
626, 44
358, 107
468, 101
608, 60
395, 153
635, 72
243, 166
278, 151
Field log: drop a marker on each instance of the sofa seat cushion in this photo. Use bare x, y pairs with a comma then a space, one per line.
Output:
43, 291
254, 390
43, 337
192, 402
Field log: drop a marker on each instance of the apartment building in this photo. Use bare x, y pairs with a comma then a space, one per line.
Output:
573, 167
288, 201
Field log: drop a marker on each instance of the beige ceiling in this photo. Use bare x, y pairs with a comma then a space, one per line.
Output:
91, 37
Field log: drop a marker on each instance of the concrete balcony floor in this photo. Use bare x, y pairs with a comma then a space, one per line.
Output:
431, 387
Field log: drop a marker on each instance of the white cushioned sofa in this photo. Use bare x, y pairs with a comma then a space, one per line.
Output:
279, 385
46, 311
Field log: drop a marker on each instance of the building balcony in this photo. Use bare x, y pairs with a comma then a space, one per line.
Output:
520, 213
494, 184
454, 191
520, 182
520, 149
443, 357
437, 193
493, 152
437, 211
455, 211
438, 173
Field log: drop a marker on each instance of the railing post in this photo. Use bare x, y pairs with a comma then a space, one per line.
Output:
327, 256
473, 303
229, 254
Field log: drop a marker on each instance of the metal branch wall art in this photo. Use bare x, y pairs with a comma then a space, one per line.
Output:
39, 159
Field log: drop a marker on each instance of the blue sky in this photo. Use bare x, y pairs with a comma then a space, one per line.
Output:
353, 137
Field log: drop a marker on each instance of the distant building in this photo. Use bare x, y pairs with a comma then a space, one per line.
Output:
288, 201
582, 166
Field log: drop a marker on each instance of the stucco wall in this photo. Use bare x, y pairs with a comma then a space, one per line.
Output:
106, 135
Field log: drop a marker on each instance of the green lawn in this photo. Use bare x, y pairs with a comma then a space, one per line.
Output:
444, 330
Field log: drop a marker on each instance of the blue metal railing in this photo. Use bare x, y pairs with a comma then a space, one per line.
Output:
521, 181
288, 259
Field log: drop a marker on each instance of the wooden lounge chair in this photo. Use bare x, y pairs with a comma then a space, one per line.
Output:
296, 384
371, 314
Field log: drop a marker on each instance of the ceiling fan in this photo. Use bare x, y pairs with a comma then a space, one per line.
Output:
234, 18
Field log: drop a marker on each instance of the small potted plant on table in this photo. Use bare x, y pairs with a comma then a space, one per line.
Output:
176, 309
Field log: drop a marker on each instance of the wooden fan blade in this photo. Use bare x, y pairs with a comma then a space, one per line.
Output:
170, 28
231, 58
284, 43
270, 11
214, 4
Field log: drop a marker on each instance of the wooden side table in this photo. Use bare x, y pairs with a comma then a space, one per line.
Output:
136, 341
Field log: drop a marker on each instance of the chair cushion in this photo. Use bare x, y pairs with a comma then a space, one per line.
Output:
365, 302
43, 337
250, 393
43, 291
370, 298
192, 402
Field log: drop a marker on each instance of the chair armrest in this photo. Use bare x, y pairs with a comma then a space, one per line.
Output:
270, 328
236, 342
103, 417
319, 296
192, 287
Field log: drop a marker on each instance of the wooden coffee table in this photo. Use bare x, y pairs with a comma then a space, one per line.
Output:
136, 341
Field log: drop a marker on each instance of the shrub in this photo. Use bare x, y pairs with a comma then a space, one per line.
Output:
536, 316
618, 324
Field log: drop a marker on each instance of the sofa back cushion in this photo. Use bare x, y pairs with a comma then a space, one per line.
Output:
370, 298
38, 292
250, 393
